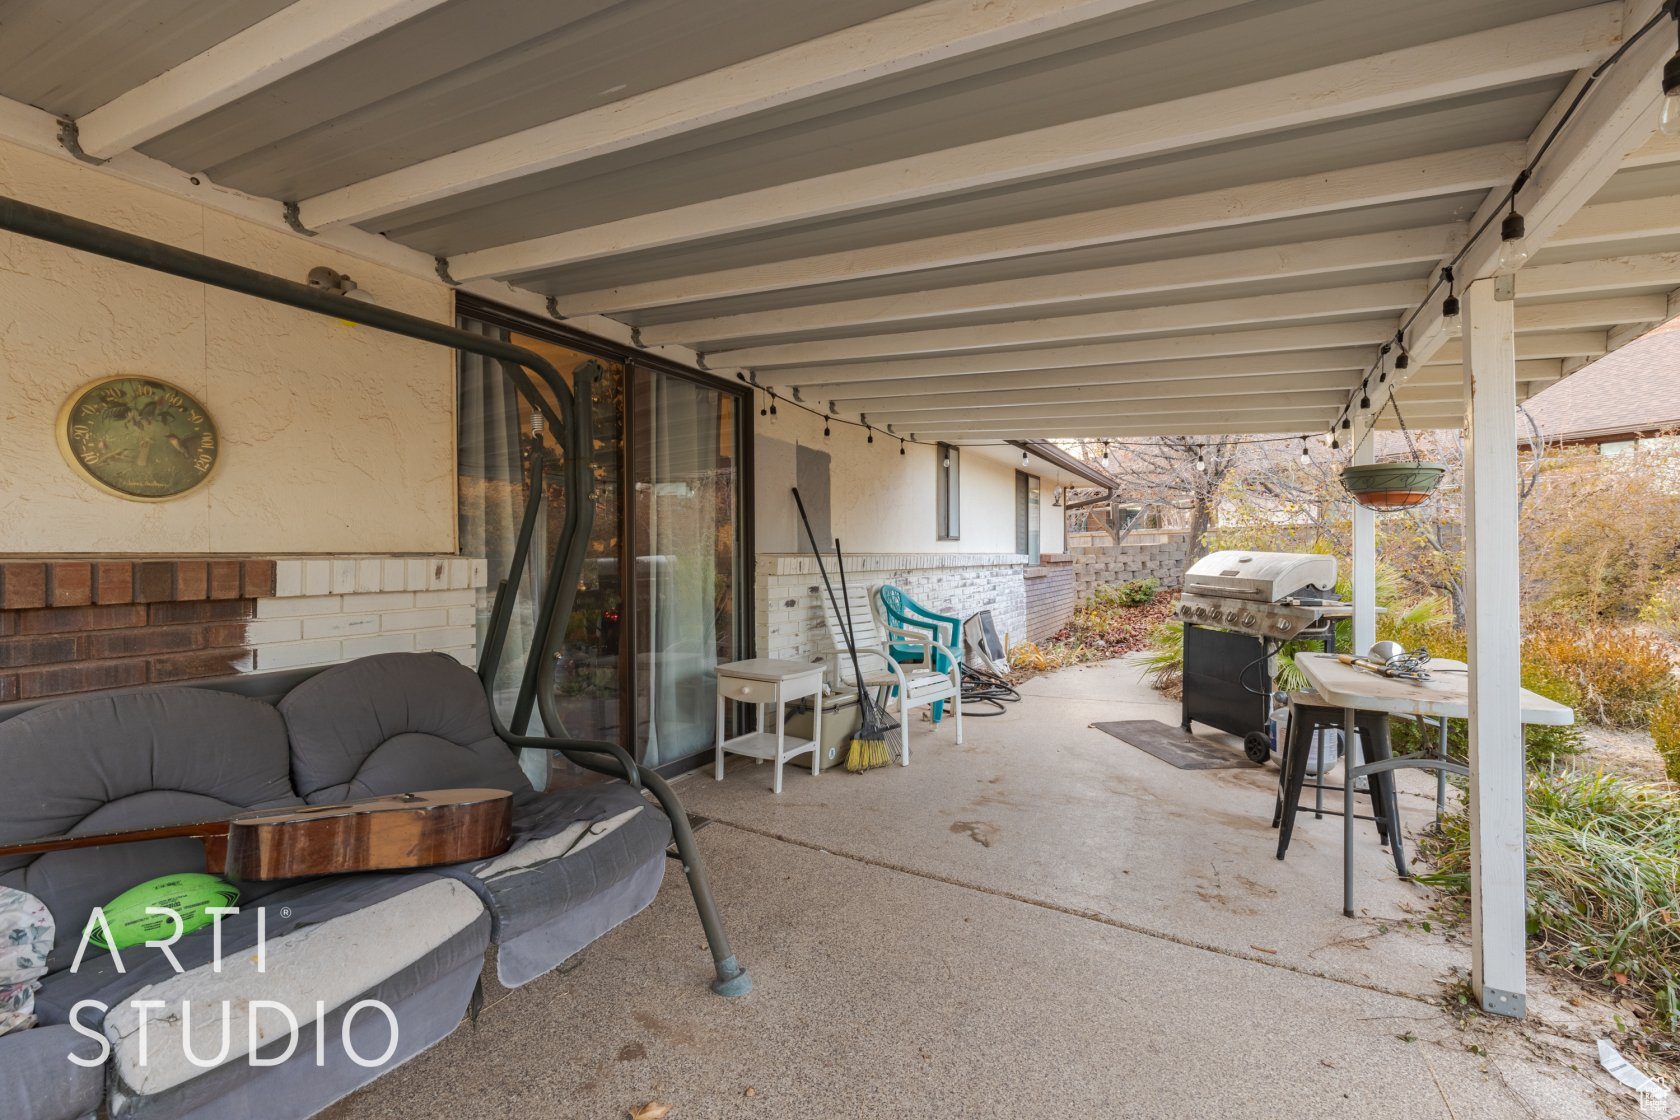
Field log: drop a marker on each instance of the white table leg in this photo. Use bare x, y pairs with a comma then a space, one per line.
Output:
816, 733
1349, 729
781, 746
717, 765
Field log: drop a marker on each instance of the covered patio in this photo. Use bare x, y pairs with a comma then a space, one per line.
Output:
846, 245
1040, 922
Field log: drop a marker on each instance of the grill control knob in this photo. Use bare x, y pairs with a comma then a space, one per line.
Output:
1248, 620
1231, 615
1284, 626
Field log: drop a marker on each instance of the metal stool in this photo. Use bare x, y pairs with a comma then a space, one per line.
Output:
1305, 721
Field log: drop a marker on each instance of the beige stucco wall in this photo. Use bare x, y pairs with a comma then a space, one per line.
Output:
335, 438
883, 502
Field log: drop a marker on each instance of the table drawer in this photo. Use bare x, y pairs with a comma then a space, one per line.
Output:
747, 691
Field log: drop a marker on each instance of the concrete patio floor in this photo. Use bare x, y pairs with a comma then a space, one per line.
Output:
1041, 922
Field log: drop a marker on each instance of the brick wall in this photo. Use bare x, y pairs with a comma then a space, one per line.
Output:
1051, 592
1162, 559
75, 625
790, 593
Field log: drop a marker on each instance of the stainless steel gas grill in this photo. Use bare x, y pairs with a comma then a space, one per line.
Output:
1238, 608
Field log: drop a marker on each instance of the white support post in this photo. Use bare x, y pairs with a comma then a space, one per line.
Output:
1364, 574
1497, 859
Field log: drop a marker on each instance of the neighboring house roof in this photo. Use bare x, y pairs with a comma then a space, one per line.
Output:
1635, 389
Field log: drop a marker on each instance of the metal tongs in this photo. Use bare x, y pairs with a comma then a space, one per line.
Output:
1402, 666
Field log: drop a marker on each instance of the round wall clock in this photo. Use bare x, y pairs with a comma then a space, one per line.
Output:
138, 438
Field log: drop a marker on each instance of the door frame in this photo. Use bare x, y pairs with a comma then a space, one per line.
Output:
744, 577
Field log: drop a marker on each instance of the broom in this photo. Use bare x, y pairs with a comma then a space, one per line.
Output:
870, 747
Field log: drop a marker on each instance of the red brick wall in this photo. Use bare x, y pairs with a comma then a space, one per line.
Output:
76, 625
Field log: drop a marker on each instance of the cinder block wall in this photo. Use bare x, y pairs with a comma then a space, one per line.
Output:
1164, 560
790, 593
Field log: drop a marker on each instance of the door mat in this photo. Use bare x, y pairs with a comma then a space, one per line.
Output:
1174, 745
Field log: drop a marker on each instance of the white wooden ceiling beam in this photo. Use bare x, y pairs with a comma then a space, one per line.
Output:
1201, 420
1358, 299
1612, 128
1560, 344
1607, 274
897, 43
1635, 220
1550, 45
956, 418
962, 401
1182, 274
1379, 184
1243, 365
286, 42
1576, 314
1324, 336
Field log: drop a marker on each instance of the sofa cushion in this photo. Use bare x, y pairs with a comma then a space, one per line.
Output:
415, 942
395, 723
582, 861
130, 760
38, 1081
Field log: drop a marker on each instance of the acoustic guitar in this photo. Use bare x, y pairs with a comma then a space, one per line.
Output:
389, 833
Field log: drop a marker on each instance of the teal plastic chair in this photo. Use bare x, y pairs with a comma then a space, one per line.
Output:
904, 613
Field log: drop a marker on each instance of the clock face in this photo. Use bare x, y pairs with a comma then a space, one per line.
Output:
138, 438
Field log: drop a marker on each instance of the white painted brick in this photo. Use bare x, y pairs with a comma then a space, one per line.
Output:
460, 572
463, 616
292, 608
380, 601
378, 643
393, 572
340, 625
343, 576
288, 577
414, 573
285, 655
422, 619
367, 573
437, 573
466, 655
463, 597
444, 637
317, 577
480, 573
264, 631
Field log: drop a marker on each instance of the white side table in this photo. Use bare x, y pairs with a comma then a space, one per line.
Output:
761, 681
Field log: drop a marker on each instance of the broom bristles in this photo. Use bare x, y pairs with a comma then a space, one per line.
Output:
877, 741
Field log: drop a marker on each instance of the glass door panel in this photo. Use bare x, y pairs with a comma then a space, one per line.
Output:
687, 516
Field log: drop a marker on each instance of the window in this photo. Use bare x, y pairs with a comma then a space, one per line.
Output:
949, 503
1027, 516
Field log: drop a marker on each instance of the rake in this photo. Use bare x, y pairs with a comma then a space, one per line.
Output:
877, 741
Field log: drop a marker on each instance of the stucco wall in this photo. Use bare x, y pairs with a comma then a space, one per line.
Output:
335, 438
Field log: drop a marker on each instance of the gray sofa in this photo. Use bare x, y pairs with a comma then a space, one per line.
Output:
582, 862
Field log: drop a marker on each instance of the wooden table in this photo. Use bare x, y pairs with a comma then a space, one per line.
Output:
768, 681
1446, 696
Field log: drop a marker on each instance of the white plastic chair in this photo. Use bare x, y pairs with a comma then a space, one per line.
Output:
915, 684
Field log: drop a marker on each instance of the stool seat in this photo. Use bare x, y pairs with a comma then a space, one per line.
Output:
1309, 714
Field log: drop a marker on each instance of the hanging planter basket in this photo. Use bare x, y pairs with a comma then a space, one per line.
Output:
1386, 487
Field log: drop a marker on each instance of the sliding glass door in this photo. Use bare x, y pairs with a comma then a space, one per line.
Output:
686, 515
658, 603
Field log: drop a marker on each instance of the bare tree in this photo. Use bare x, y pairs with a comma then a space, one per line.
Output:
1180, 473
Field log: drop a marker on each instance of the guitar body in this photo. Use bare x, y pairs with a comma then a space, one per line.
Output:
389, 833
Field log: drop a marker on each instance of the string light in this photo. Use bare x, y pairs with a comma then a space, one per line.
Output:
1513, 251
1201, 459
871, 435
1404, 358
772, 404
901, 447
1449, 306
1107, 459
825, 428
1306, 456
1025, 459
1364, 395
1382, 368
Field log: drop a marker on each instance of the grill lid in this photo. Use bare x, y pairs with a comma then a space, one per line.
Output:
1262, 577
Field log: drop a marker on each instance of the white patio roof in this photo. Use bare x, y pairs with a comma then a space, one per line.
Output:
965, 219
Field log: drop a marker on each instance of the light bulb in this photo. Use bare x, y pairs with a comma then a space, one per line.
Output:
1201, 465
1670, 123
872, 435
1513, 250
1024, 459
901, 447
1449, 312
1306, 459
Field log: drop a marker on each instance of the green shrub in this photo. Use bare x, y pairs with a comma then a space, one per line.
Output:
1665, 729
1136, 593
1618, 674
1603, 882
